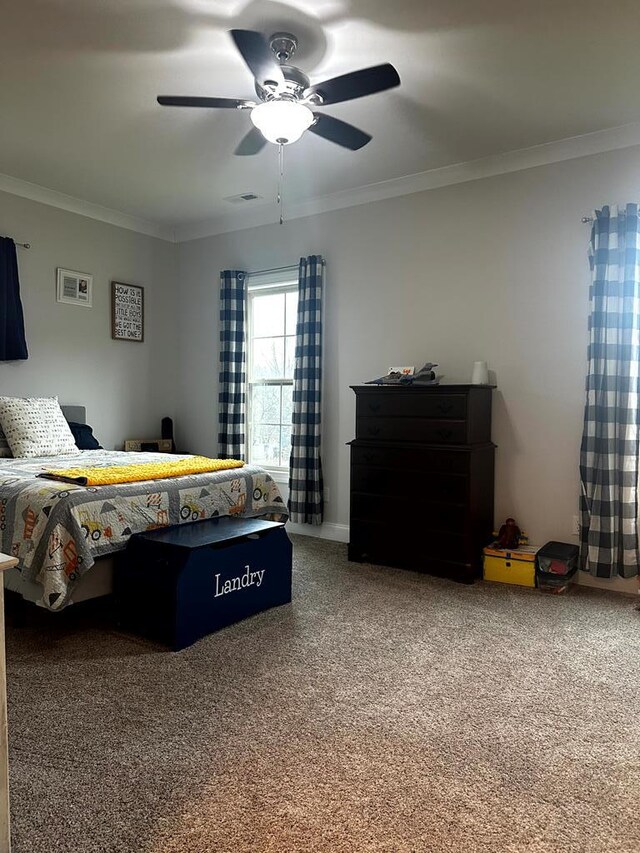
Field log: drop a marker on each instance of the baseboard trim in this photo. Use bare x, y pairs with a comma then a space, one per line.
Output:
334, 532
627, 586
340, 533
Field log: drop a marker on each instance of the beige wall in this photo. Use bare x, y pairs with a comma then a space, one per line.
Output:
494, 269
126, 387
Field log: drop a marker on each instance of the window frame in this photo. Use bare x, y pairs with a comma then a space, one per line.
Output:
263, 284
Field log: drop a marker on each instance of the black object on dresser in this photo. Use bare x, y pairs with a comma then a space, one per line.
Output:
422, 478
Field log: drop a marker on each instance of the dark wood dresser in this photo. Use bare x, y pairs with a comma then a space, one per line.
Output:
422, 486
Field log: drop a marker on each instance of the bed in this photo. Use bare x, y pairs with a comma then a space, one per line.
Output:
64, 535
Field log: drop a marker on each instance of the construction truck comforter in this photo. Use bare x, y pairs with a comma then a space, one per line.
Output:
58, 529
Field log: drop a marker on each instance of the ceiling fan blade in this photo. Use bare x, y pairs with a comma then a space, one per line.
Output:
356, 84
216, 103
258, 56
250, 144
339, 132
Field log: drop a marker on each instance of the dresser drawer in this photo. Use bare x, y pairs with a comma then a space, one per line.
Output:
416, 404
408, 484
414, 459
429, 515
422, 430
396, 544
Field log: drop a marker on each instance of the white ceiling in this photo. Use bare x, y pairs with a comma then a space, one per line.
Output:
78, 81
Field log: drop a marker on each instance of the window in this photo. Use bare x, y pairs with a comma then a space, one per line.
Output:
272, 313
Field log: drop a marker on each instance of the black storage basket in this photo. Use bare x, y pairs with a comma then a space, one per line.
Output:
557, 560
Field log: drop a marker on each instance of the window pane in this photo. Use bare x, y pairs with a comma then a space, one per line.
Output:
265, 404
267, 358
287, 404
285, 446
268, 315
272, 356
292, 311
290, 351
265, 441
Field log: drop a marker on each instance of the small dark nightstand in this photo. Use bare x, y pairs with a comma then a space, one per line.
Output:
149, 445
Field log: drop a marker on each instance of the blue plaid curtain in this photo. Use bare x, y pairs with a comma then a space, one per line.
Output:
232, 393
13, 344
305, 469
609, 453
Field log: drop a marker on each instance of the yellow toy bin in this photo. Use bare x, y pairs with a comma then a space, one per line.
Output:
518, 567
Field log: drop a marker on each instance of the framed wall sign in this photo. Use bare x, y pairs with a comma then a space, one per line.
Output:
127, 312
74, 288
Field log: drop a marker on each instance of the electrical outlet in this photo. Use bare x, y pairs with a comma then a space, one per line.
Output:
576, 525
327, 494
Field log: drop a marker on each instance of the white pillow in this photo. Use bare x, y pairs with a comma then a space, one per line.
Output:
5, 450
35, 426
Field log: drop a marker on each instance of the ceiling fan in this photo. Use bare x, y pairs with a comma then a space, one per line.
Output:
287, 100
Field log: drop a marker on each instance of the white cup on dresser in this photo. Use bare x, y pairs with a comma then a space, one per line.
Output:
480, 375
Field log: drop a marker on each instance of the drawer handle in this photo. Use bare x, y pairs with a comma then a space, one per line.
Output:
445, 433
374, 407
445, 408
373, 430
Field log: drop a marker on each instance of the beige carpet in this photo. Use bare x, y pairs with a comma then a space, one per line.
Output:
382, 711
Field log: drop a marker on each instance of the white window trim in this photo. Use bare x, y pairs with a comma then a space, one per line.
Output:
273, 283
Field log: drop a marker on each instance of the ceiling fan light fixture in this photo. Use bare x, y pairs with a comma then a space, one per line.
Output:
282, 122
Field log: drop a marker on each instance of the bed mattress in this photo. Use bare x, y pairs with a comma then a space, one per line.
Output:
57, 530
92, 584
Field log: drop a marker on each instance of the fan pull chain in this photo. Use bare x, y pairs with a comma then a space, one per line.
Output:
281, 182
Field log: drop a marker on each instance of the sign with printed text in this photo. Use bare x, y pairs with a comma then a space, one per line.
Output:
127, 312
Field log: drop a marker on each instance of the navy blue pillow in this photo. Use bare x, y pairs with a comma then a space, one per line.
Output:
84, 437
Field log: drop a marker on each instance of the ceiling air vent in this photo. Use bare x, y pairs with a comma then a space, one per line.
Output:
238, 199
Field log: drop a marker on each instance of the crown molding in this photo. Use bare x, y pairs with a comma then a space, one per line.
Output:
571, 148
53, 198
597, 142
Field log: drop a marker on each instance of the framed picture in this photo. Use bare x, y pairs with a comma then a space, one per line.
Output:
127, 312
74, 288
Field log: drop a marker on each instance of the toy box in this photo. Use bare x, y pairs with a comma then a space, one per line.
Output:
516, 567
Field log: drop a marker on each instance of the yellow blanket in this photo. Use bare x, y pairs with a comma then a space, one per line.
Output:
143, 471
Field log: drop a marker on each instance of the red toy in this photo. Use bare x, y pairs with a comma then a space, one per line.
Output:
509, 535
